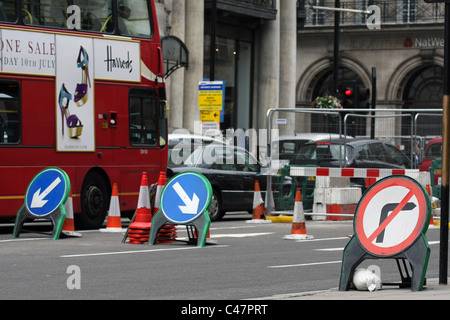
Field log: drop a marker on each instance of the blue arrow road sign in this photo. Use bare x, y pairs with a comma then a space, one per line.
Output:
186, 197
48, 190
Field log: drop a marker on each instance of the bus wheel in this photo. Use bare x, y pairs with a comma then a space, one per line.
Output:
94, 201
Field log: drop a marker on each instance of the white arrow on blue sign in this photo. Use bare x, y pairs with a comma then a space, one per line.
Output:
46, 192
185, 197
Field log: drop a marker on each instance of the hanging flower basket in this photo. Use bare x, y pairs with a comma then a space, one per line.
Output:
327, 102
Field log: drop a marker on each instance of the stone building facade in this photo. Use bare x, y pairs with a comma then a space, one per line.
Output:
279, 54
407, 51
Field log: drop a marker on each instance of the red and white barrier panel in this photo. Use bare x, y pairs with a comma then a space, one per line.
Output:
351, 172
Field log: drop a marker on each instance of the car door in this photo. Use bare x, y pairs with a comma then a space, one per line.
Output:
249, 168
226, 177
362, 157
398, 158
378, 157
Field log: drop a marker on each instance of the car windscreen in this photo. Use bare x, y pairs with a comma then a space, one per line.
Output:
434, 151
319, 153
287, 148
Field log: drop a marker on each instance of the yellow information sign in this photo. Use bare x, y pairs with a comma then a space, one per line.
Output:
210, 100
210, 95
210, 116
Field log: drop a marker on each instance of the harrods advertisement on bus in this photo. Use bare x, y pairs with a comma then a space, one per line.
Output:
75, 62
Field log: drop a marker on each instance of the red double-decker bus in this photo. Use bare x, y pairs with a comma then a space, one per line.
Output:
82, 89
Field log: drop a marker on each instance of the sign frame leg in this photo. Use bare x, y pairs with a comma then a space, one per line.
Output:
158, 221
57, 218
353, 255
21, 217
418, 256
202, 223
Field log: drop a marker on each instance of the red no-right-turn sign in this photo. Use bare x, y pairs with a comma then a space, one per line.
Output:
392, 215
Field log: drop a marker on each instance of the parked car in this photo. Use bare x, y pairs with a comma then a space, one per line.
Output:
182, 145
232, 172
347, 154
288, 146
352, 154
433, 150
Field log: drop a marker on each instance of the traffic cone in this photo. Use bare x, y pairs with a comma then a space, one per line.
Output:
114, 223
143, 214
258, 210
298, 226
167, 234
68, 228
143, 219
162, 181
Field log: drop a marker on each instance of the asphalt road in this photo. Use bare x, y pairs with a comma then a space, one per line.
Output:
247, 261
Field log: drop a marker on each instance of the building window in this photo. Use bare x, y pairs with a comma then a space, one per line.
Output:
316, 17
407, 11
363, 5
424, 90
324, 86
233, 65
392, 12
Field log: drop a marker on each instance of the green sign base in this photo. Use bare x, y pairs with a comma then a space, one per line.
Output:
46, 197
202, 224
418, 256
57, 218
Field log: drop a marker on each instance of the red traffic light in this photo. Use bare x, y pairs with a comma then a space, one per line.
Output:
348, 92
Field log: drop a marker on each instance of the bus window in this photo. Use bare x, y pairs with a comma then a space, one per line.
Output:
8, 11
134, 18
50, 13
96, 15
143, 117
9, 113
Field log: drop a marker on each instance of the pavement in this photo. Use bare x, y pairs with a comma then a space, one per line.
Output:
431, 291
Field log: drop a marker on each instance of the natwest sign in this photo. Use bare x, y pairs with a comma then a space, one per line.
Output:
424, 42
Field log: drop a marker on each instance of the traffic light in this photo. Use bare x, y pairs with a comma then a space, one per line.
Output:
363, 97
349, 95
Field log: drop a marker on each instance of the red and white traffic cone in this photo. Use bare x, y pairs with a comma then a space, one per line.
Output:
258, 207
162, 181
143, 218
68, 228
298, 226
168, 232
114, 223
143, 213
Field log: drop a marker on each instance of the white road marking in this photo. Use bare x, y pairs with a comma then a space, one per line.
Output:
304, 264
136, 251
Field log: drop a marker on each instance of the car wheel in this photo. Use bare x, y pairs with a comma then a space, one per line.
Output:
215, 207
